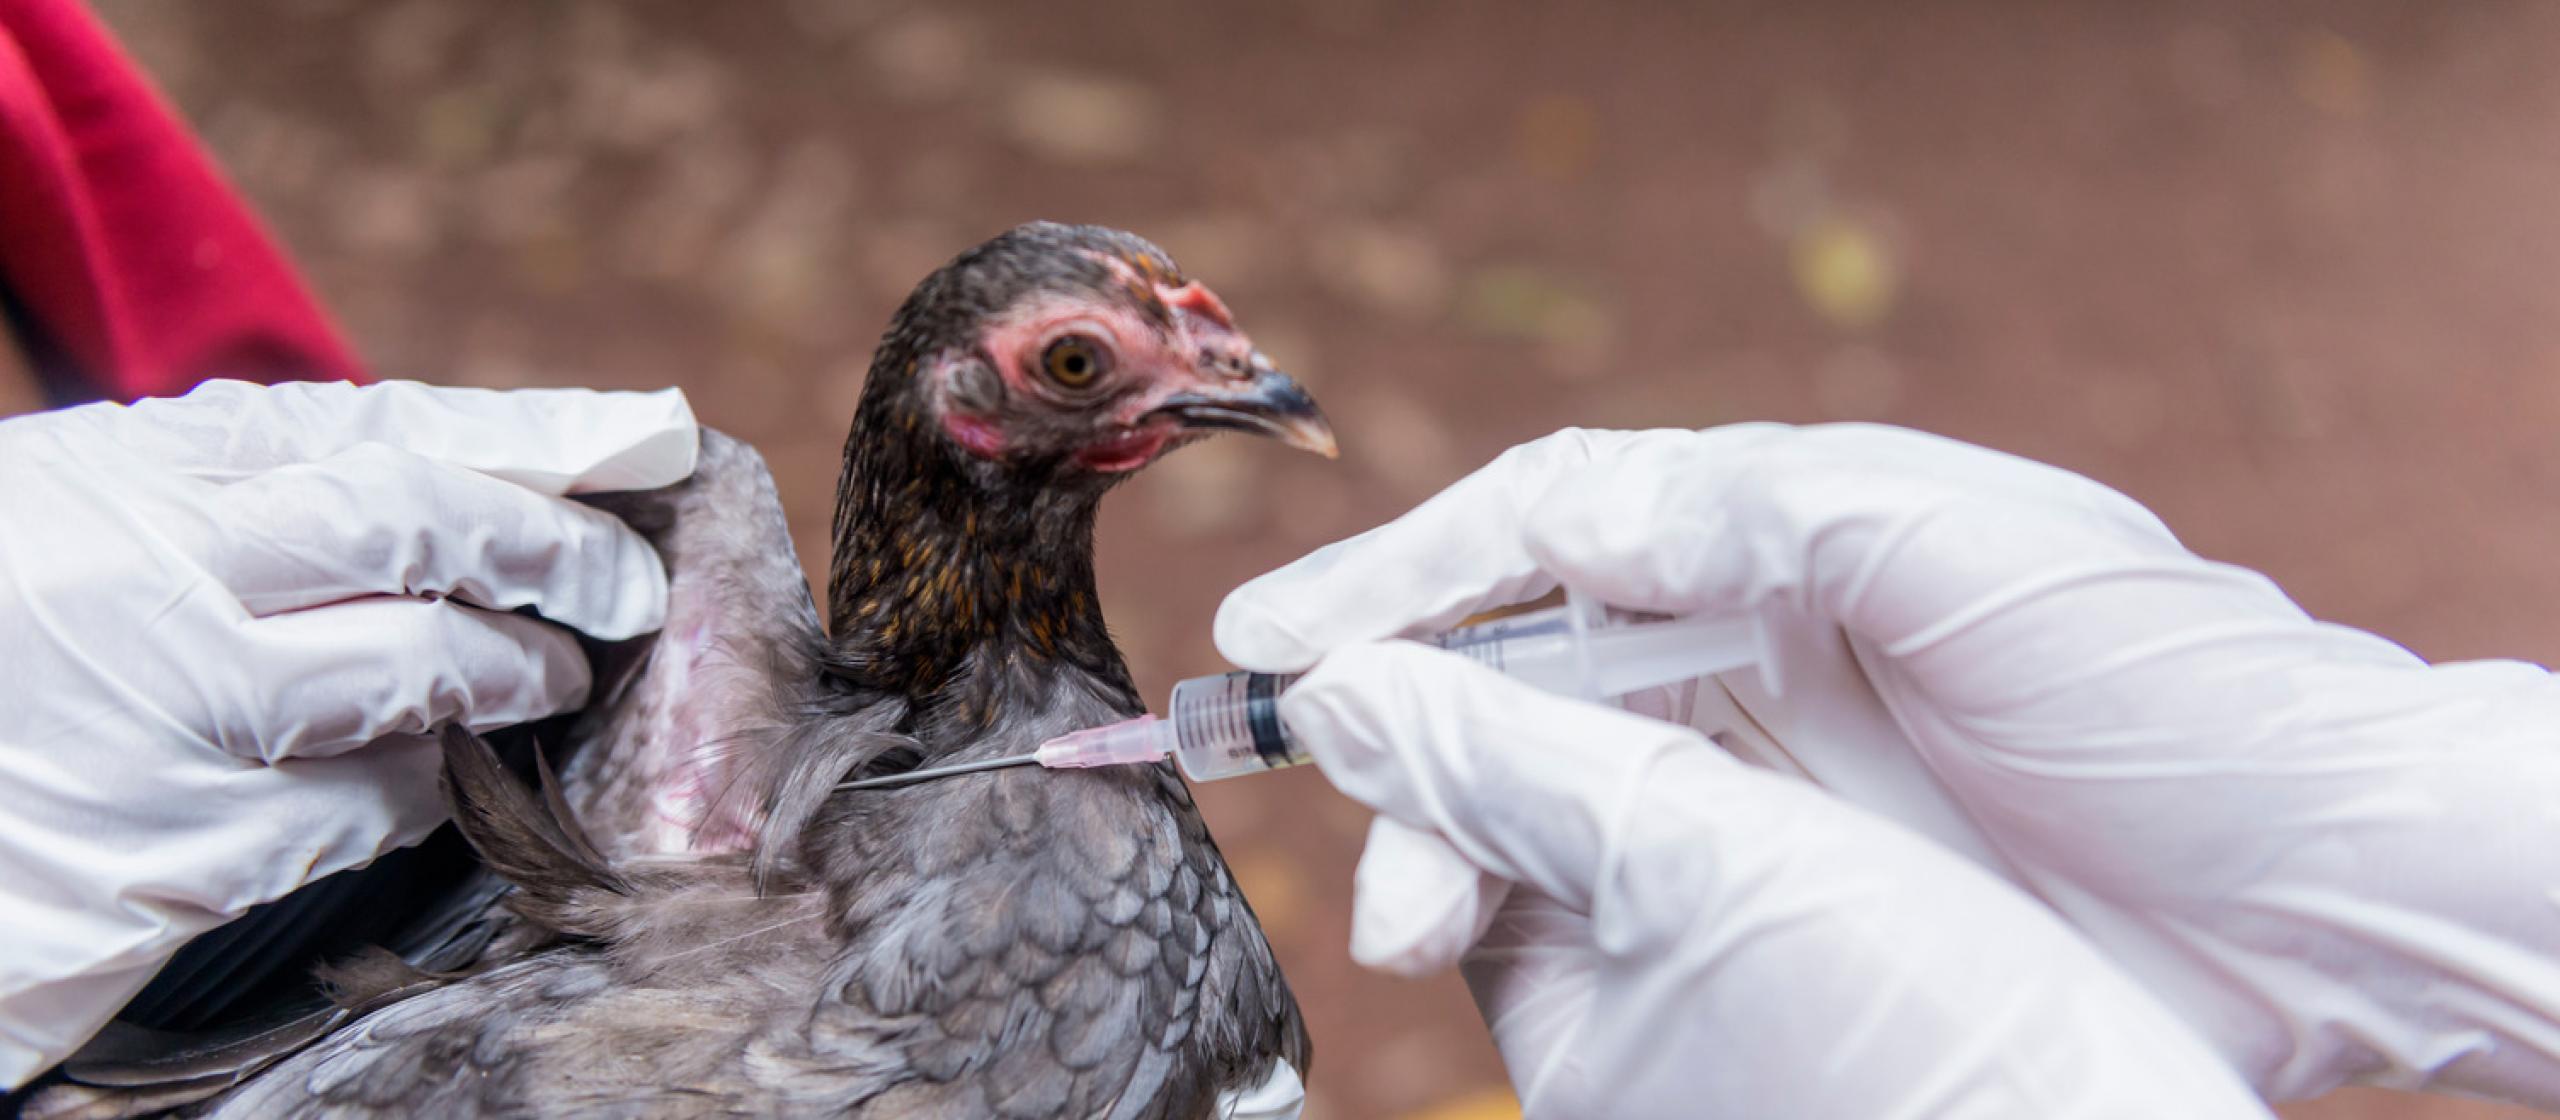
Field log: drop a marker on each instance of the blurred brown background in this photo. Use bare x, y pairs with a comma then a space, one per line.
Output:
2285, 272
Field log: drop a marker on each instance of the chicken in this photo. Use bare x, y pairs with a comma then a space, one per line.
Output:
693, 920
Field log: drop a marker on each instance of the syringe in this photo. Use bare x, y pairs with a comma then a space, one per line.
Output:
1225, 725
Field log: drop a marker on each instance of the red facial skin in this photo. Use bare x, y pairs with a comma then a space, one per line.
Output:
1129, 450
1202, 352
978, 434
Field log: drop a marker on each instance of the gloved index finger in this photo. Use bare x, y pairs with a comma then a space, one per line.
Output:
1459, 553
1528, 786
374, 520
556, 441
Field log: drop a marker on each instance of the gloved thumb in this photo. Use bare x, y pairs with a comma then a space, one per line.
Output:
1522, 785
1417, 905
1452, 556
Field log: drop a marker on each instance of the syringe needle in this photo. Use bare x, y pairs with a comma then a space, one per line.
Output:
1130, 740
911, 777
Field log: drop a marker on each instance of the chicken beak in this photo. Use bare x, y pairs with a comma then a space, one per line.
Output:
1268, 403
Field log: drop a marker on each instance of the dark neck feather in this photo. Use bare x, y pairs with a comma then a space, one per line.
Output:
938, 559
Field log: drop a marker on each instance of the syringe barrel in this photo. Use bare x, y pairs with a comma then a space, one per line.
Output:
1229, 725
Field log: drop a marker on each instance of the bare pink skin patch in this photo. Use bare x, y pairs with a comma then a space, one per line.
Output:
977, 433
1199, 349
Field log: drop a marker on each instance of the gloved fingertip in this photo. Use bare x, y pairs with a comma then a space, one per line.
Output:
1417, 905
679, 407
661, 459
638, 603
663, 442
1374, 714
542, 671
1332, 710
1396, 954
565, 677
1251, 635
676, 449
1412, 937
1604, 532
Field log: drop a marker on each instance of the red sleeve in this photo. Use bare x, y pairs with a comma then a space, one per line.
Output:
134, 265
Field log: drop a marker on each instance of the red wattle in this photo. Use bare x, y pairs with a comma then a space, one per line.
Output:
1127, 451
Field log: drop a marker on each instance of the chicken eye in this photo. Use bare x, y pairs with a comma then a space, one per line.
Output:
1073, 361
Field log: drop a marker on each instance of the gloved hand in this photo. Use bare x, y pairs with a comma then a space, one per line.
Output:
1682, 935
227, 618
2328, 858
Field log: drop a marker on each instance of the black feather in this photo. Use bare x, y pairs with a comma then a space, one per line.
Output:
560, 882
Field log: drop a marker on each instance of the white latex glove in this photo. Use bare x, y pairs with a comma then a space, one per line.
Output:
2330, 859
208, 604
1689, 937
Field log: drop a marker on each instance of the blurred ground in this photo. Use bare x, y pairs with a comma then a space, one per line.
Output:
2285, 272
